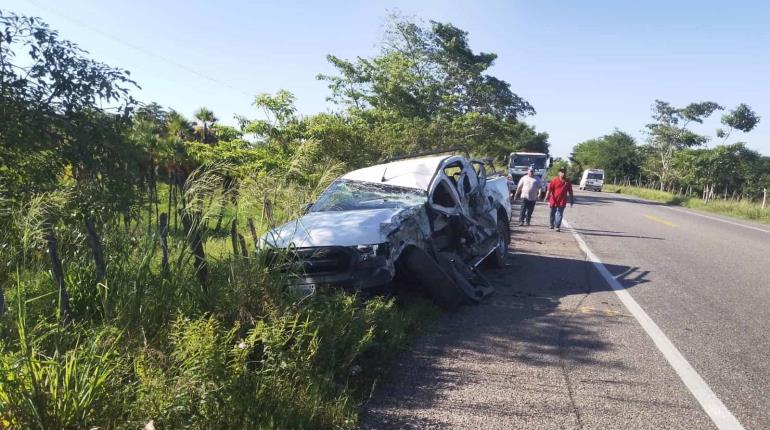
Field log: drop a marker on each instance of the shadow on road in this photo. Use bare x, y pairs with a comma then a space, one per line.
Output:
536, 318
594, 198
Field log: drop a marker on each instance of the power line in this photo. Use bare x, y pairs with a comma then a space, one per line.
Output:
139, 49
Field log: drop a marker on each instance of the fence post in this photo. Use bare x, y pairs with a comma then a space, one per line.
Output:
163, 234
253, 232
234, 237
764, 198
57, 272
96, 248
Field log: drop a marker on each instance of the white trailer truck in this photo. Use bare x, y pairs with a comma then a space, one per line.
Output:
519, 163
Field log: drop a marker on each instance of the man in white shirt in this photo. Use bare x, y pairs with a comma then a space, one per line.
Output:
528, 189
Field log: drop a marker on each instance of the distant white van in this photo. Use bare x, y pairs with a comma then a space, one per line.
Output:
592, 179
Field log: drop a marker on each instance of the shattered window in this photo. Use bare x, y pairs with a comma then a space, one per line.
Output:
442, 196
347, 195
453, 172
481, 171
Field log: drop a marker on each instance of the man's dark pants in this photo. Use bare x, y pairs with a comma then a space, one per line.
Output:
527, 207
556, 215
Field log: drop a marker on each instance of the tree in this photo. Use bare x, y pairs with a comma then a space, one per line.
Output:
49, 91
616, 153
425, 71
179, 126
741, 118
206, 120
55, 132
669, 134
427, 89
280, 123
572, 169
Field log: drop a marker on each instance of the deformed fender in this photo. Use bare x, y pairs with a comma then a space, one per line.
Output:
446, 277
409, 227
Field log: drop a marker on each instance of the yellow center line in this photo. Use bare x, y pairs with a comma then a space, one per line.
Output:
659, 220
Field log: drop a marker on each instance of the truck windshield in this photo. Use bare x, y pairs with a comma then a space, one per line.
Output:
595, 176
346, 195
527, 160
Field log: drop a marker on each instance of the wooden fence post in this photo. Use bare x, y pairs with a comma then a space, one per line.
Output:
253, 232
267, 212
234, 237
164, 240
57, 272
96, 249
242, 241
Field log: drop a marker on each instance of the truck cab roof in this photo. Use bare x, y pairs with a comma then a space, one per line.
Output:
414, 173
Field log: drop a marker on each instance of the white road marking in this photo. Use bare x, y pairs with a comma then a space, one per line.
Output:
718, 219
710, 403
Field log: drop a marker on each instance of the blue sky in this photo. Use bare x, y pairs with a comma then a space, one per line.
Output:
587, 67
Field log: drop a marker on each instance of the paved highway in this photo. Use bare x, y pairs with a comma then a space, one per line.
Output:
557, 347
705, 281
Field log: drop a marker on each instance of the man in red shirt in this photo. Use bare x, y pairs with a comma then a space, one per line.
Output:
558, 190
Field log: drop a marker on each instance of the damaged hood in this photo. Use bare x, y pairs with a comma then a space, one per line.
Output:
335, 228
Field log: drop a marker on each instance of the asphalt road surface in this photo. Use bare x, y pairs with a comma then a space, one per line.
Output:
555, 347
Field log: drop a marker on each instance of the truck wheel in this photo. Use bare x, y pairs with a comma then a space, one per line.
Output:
503, 241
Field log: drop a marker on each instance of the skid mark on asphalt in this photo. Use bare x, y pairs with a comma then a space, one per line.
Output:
660, 220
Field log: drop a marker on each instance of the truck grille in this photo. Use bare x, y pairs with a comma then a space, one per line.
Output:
313, 261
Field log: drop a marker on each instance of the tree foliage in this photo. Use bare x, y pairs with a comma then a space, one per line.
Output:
52, 124
428, 89
617, 154
670, 134
674, 157
742, 118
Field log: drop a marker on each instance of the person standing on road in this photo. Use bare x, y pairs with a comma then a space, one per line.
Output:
558, 190
528, 188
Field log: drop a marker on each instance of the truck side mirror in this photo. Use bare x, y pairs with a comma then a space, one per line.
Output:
550, 162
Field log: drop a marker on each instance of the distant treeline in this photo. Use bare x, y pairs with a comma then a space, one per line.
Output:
676, 159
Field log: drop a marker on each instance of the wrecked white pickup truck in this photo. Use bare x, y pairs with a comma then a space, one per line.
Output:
431, 219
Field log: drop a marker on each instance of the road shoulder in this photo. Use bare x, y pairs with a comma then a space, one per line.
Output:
553, 348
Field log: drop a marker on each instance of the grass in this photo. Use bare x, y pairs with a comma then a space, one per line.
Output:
147, 344
737, 209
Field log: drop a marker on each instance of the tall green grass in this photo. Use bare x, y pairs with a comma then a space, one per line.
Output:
737, 209
147, 344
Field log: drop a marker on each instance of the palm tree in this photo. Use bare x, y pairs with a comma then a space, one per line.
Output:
178, 125
206, 120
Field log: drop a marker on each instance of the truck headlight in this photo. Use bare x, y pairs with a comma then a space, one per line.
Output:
366, 252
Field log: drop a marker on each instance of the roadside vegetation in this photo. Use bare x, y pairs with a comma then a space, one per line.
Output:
132, 289
674, 165
748, 210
